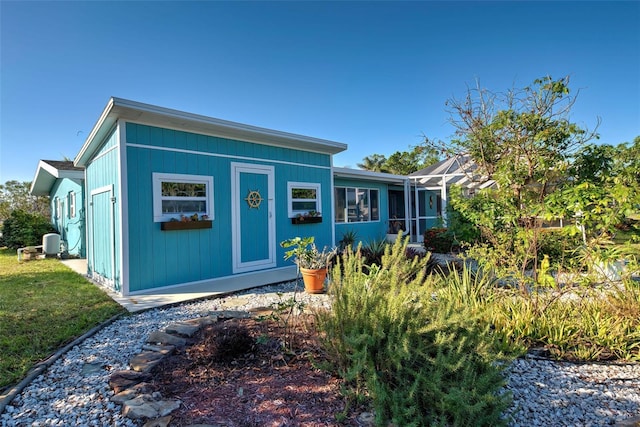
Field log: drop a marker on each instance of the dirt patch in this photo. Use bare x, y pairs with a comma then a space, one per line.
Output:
247, 372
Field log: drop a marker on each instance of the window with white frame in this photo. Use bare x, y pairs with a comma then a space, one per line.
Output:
177, 195
72, 204
58, 206
356, 204
304, 198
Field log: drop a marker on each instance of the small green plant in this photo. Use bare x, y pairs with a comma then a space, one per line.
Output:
286, 312
348, 240
306, 254
374, 250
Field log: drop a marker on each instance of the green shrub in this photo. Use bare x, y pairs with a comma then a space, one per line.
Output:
420, 361
24, 229
585, 326
558, 245
461, 227
373, 251
439, 240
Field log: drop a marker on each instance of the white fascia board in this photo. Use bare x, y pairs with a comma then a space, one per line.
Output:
42, 181
137, 112
105, 123
46, 176
368, 175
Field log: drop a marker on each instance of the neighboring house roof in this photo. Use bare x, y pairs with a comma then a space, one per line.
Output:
459, 169
368, 175
118, 108
50, 170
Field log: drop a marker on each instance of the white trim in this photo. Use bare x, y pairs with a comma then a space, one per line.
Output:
158, 178
108, 187
105, 152
225, 156
346, 214
170, 118
123, 208
118, 108
332, 194
71, 206
307, 186
58, 205
97, 129
110, 282
236, 226
349, 173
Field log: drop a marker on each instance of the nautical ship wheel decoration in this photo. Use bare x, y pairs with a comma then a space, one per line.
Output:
254, 199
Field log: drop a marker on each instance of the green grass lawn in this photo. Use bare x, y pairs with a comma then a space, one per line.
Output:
43, 305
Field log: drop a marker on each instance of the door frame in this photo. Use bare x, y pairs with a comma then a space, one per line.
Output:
236, 226
105, 281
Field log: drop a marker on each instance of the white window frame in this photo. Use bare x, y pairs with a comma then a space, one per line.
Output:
306, 186
357, 190
72, 204
58, 206
159, 178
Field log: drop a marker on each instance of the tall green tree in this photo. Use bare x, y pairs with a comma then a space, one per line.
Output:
524, 141
374, 163
14, 195
403, 162
603, 190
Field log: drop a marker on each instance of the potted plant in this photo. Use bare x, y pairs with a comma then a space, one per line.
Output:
312, 263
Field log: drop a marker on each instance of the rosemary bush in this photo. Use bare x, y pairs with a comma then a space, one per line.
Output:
420, 361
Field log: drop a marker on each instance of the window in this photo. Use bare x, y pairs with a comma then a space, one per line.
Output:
304, 197
175, 195
356, 204
58, 206
72, 204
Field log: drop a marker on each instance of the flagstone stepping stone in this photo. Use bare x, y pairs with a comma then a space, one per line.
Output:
122, 380
149, 406
159, 337
130, 393
182, 328
145, 361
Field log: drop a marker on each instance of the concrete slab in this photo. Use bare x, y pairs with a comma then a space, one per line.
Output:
177, 294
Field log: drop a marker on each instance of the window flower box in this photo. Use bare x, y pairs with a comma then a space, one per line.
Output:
306, 220
186, 225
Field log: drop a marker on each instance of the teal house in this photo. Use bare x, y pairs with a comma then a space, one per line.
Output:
160, 200
149, 171
64, 184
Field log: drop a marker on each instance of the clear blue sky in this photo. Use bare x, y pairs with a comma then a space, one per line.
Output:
373, 75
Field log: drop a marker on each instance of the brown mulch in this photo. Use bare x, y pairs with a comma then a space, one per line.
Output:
248, 372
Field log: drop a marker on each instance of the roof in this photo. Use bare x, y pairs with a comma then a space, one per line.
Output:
49, 171
459, 169
368, 175
132, 111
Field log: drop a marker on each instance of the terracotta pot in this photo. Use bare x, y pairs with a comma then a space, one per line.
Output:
313, 280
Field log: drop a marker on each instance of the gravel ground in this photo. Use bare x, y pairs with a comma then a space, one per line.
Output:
74, 390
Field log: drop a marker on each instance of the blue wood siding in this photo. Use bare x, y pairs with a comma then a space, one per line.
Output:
70, 228
366, 231
179, 140
103, 171
161, 258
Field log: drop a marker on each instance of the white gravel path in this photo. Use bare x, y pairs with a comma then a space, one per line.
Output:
74, 390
